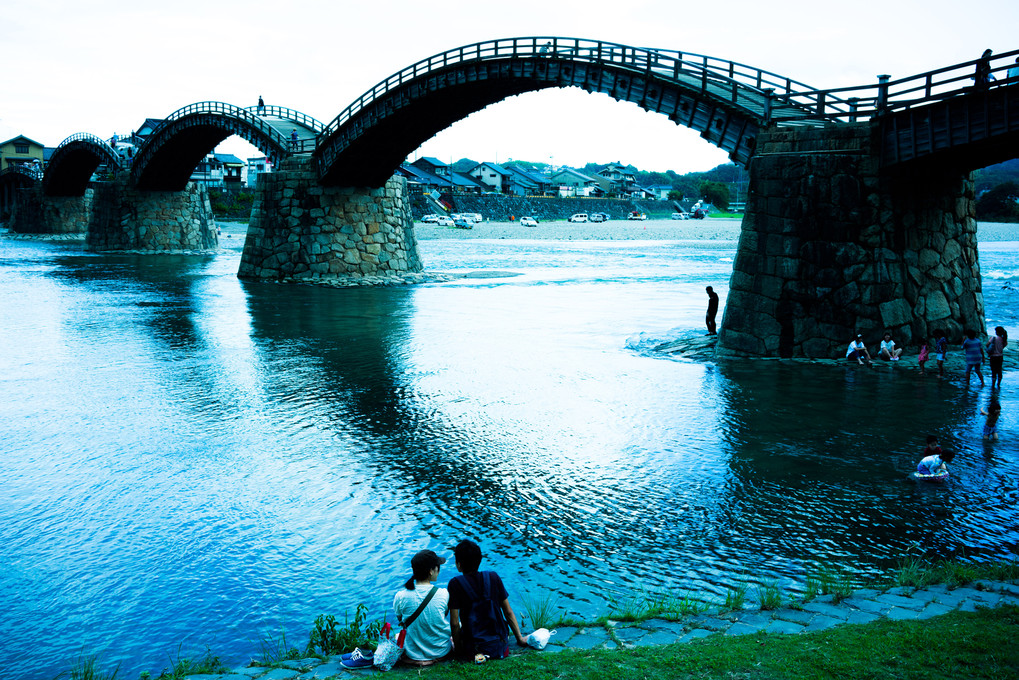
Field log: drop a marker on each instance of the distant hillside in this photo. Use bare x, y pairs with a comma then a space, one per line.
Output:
993, 175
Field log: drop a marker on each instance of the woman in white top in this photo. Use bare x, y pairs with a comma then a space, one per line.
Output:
889, 351
428, 635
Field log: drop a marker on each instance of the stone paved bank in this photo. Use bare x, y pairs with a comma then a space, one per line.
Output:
821, 613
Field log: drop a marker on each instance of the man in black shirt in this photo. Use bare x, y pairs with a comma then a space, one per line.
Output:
712, 310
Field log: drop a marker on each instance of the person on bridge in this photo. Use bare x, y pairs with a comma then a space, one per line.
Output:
982, 78
709, 319
293, 139
1013, 72
261, 105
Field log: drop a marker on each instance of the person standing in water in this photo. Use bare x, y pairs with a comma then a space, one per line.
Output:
996, 354
709, 319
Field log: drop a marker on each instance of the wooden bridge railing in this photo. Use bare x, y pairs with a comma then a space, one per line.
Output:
886, 96
740, 84
230, 111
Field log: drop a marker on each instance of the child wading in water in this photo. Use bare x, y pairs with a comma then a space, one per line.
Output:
940, 349
992, 412
922, 359
935, 464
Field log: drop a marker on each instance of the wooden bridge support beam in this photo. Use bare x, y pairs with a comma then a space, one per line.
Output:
301, 230
832, 245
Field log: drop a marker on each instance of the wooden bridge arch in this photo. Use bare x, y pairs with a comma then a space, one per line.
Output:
172, 152
75, 159
725, 101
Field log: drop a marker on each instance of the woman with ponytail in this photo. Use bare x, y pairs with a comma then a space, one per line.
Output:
422, 608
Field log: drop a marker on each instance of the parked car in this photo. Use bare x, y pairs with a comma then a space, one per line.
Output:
443, 221
461, 222
578, 217
476, 217
528, 222
429, 218
598, 217
680, 216
636, 215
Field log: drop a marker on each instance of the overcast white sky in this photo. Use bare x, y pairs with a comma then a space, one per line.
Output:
104, 66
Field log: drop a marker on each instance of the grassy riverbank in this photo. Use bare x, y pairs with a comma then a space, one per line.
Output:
981, 644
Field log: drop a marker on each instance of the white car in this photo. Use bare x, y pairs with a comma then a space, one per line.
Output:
443, 221
579, 217
528, 222
680, 216
429, 218
636, 215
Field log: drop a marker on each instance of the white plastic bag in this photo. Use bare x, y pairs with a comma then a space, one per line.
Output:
539, 638
386, 654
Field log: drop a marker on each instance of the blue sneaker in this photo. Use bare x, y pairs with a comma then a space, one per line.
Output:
358, 659
362, 653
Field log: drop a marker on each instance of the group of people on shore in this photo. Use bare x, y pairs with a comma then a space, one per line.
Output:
469, 620
973, 350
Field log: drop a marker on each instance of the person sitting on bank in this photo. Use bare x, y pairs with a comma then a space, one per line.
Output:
888, 350
479, 608
858, 351
428, 633
935, 464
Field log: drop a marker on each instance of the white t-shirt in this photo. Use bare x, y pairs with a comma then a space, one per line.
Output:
428, 637
931, 465
855, 346
888, 345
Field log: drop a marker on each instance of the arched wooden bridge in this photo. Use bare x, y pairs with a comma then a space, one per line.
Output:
938, 114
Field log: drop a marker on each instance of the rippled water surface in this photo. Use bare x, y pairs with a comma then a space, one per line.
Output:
192, 460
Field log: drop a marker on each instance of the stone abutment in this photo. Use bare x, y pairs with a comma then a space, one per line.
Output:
35, 213
124, 218
832, 245
301, 231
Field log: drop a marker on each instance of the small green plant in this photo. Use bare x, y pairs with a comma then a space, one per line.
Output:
631, 608
835, 581
541, 611
331, 638
87, 668
769, 595
182, 667
276, 649
736, 596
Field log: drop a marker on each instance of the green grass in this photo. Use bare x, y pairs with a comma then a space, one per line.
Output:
542, 612
736, 597
958, 645
274, 649
181, 667
917, 572
648, 605
87, 668
827, 580
769, 595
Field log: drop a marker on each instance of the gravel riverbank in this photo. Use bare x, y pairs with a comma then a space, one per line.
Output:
710, 229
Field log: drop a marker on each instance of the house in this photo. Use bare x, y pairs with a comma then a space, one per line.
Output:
21, 151
218, 170
257, 166
492, 176
434, 174
533, 183
616, 179
660, 192
575, 183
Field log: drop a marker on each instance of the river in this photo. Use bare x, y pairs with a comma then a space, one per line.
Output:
192, 462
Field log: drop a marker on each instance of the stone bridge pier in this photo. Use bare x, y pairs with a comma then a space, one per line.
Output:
35, 213
126, 218
833, 245
301, 231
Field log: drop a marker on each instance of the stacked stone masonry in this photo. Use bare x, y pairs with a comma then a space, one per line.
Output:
833, 245
35, 213
124, 218
300, 230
